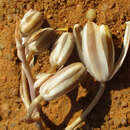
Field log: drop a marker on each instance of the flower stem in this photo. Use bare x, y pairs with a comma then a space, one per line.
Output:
89, 108
27, 71
24, 90
21, 55
33, 105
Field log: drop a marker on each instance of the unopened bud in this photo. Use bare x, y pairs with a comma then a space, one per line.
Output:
62, 50
91, 14
62, 82
31, 21
41, 40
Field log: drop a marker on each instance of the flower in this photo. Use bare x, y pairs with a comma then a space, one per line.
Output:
62, 82
62, 50
96, 49
31, 21
41, 40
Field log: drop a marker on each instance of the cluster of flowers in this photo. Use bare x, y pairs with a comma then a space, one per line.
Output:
96, 51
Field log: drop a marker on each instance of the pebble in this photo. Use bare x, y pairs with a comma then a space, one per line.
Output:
91, 14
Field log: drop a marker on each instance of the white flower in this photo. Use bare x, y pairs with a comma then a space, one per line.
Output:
62, 50
41, 40
62, 82
96, 50
31, 21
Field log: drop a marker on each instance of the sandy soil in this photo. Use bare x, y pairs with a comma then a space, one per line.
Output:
113, 110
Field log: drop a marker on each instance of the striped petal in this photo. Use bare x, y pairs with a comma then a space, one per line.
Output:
108, 46
93, 52
41, 40
77, 32
62, 49
62, 82
31, 21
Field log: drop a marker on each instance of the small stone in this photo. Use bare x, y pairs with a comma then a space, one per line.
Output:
124, 104
128, 117
91, 14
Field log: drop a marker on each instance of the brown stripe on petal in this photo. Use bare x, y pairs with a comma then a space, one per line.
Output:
78, 36
69, 77
93, 51
77, 31
63, 40
62, 49
32, 21
111, 53
69, 67
37, 35
62, 81
92, 28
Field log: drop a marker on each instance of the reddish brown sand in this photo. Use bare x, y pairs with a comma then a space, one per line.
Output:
113, 110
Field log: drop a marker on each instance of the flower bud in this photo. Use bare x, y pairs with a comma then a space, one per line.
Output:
62, 50
41, 40
31, 21
62, 82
